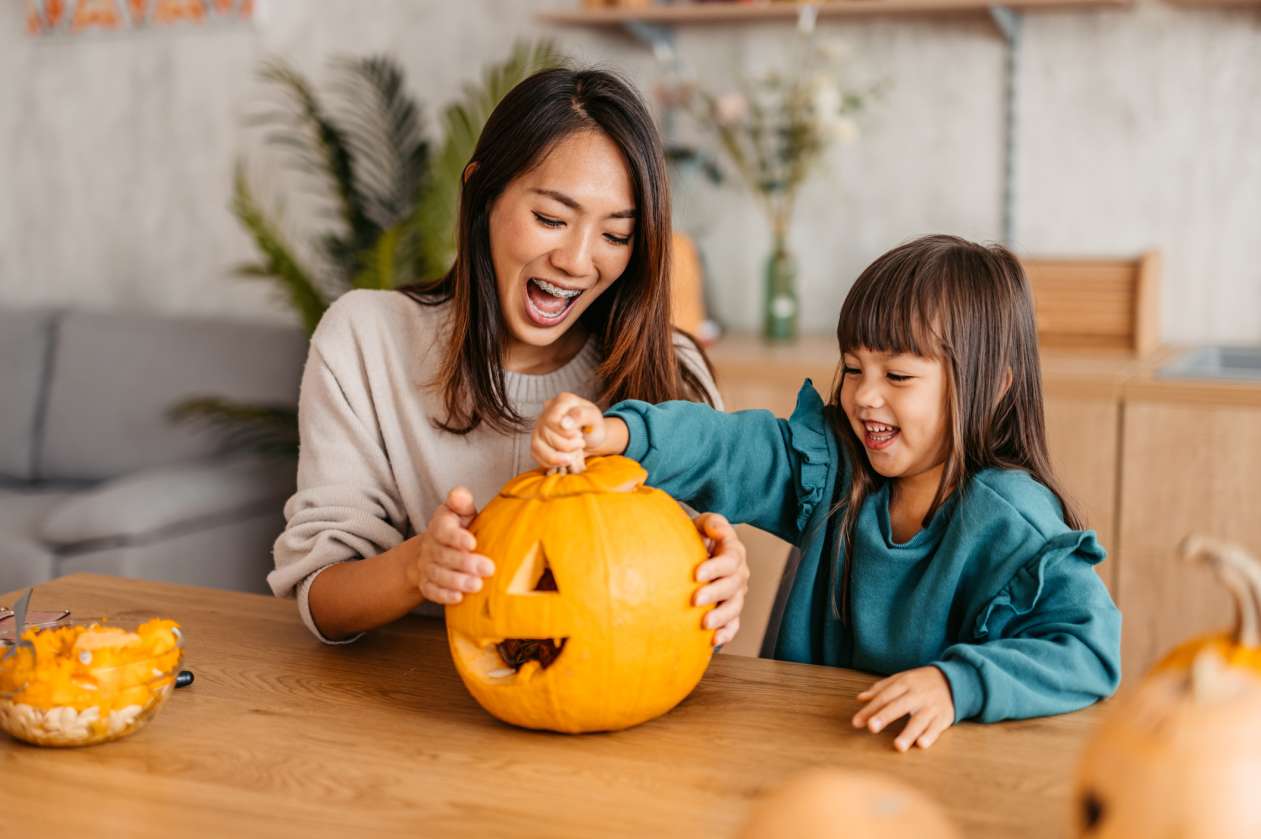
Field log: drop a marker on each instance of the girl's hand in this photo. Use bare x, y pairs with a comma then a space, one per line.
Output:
728, 568
923, 693
568, 425
445, 566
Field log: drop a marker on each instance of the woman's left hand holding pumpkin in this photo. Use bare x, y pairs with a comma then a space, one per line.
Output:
725, 576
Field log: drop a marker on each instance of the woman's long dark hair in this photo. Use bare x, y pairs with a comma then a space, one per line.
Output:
630, 320
970, 306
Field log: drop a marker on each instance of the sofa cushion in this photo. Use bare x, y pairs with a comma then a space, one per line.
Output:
23, 564
25, 341
169, 500
234, 554
23, 510
115, 377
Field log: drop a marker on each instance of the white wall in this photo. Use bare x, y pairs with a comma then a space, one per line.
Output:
1139, 127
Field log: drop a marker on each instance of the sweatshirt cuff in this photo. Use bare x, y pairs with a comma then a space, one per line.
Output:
636, 433
966, 688
304, 609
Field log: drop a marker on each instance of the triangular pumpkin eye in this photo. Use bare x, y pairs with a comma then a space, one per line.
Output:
534, 573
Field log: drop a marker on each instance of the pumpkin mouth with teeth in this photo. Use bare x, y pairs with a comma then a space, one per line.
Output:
588, 623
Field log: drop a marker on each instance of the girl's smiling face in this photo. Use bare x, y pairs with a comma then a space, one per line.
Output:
897, 405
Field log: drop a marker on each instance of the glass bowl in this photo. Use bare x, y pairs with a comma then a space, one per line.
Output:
87, 682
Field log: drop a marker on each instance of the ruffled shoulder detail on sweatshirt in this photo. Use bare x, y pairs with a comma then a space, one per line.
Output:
1021, 593
808, 437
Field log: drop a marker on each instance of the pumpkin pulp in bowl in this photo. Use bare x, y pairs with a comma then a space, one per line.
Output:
87, 682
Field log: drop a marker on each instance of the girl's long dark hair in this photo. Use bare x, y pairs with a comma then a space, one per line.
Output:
630, 320
970, 306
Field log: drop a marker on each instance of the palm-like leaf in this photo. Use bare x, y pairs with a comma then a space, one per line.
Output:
278, 262
264, 429
383, 125
307, 127
462, 124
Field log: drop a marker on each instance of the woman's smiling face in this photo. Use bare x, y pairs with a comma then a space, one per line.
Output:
896, 404
560, 235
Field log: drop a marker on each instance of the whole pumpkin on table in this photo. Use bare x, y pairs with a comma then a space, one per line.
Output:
587, 623
1181, 755
831, 803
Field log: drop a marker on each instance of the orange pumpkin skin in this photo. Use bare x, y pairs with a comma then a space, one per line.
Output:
623, 558
843, 804
1175, 759
1180, 755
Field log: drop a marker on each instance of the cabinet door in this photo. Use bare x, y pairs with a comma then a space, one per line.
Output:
1082, 435
1186, 467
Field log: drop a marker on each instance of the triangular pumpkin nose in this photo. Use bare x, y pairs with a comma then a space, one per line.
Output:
534, 573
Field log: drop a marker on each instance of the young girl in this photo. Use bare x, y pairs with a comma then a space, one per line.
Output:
936, 544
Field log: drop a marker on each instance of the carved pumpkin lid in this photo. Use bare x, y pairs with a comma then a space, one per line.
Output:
602, 475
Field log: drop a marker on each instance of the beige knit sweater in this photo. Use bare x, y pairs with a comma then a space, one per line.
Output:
372, 467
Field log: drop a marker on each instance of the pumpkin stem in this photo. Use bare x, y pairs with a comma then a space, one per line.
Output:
1240, 572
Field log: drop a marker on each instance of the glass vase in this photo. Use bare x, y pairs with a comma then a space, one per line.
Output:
779, 317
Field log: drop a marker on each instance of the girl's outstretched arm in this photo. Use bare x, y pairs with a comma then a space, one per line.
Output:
741, 465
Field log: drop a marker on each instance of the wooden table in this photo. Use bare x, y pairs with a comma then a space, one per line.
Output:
282, 736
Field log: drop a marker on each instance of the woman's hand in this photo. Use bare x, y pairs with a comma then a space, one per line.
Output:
728, 569
570, 425
445, 566
923, 693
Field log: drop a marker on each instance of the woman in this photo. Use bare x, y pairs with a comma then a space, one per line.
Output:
560, 283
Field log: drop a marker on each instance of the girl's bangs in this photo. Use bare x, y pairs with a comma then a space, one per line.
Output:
893, 314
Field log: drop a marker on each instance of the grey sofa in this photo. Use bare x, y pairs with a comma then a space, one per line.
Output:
95, 477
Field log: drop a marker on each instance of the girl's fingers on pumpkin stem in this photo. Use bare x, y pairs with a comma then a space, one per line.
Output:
915, 727
562, 441
453, 580
544, 455
886, 695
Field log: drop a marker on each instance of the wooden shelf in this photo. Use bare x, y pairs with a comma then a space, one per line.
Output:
699, 13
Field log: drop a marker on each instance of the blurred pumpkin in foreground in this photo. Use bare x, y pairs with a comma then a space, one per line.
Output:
845, 804
587, 623
1181, 755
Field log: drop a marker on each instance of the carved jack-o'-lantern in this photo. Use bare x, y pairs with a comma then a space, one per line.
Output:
840, 803
1181, 755
587, 623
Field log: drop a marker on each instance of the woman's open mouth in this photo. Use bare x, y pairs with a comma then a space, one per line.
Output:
546, 304
877, 436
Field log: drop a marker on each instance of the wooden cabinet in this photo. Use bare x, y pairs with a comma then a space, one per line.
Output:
1191, 461
1083, 436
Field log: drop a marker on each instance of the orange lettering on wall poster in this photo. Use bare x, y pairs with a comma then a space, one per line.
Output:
224, 5
166, 11
103, 13
44, 16
138, 8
